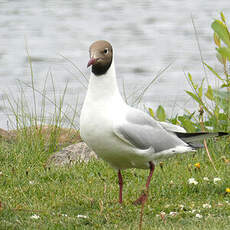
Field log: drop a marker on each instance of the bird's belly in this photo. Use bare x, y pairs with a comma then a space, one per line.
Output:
111, 149
122, 158
96, 130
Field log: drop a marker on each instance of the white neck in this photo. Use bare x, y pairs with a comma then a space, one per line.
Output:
103, 86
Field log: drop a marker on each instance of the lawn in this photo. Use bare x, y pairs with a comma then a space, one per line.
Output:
85, 196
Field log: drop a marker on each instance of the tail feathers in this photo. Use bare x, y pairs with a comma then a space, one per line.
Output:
193, 138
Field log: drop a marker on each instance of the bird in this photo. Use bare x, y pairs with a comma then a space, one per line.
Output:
121, 135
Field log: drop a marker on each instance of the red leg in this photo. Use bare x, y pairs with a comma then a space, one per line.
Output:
151, 167
144, 196
120, 185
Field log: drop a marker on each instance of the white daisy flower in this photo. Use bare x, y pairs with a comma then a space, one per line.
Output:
82, 216
173, 213
192, 181
198, 216
35, 217
216, 179
207, 206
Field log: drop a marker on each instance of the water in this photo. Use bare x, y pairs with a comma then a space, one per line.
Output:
146, 36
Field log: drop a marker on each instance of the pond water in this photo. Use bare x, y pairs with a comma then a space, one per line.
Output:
147, 36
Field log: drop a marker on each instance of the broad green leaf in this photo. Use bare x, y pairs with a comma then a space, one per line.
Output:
151, 112
222, 31
187, 124
224, 51
213, 71
209, 93
161, 113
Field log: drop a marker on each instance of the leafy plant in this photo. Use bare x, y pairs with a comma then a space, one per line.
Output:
214, 103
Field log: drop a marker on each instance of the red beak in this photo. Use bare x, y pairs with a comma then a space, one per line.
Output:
91, 62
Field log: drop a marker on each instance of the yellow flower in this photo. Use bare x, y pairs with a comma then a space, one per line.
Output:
227, 190
197, 165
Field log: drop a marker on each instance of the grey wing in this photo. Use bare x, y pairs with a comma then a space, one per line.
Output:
143, 132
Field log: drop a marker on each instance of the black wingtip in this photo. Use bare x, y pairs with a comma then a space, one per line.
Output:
193, 139
222, 134
186, 135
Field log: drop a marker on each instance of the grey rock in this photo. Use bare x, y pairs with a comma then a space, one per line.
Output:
71, 154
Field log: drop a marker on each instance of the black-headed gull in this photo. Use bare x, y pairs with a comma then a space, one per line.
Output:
123, 136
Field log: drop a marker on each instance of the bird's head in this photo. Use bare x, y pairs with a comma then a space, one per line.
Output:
101, 56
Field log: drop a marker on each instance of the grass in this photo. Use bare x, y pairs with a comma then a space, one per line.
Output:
58, 195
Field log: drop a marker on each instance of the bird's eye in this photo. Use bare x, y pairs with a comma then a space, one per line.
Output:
106, 50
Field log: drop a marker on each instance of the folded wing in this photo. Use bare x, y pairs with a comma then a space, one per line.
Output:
143, 132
